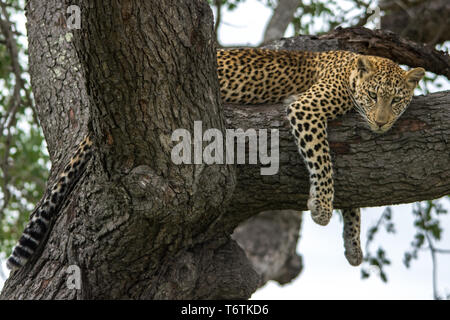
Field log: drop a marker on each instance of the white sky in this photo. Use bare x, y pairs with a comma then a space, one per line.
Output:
327, 274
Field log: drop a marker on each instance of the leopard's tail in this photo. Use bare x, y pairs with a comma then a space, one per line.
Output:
40, 222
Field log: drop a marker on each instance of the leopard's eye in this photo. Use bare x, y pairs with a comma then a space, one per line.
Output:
373, 95
396, 99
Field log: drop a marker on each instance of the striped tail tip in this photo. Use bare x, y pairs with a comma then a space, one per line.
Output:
22, 252
13, 263
28, 243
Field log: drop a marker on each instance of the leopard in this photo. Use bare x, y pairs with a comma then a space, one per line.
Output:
316, 87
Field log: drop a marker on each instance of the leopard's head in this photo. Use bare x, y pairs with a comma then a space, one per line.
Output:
381, 90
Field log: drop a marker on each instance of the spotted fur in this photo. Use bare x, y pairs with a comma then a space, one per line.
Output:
40, 222
318, 87
352, 229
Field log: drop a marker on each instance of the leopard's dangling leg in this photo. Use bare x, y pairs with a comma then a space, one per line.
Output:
352, 228
309, 128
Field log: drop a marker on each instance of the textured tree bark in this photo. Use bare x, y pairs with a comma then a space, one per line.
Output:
137, 225
409, 163
280, 20
423, 21
140, 227
378, 43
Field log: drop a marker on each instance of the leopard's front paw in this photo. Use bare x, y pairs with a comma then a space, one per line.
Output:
354, 254
320, 211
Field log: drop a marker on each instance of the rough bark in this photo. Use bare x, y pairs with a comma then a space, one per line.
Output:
140, 227
137, 225
423, 21
373, 42
281, 18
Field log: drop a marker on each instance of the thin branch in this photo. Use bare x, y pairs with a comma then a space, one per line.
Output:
433, 260
377, 226
14, 102
218, 4
431, 248
4, 165
437, 250
363, 20
444, 251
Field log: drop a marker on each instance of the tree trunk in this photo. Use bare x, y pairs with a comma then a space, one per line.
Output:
137, 225
140, 227
281, 18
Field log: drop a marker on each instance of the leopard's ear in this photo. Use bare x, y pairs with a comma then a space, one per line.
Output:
364, 65
413, 76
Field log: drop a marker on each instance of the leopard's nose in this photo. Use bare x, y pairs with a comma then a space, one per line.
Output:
380, 123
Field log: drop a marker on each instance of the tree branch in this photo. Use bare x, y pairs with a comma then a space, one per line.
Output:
281, 18
421, 21
9, 118
370, 169
378, 43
